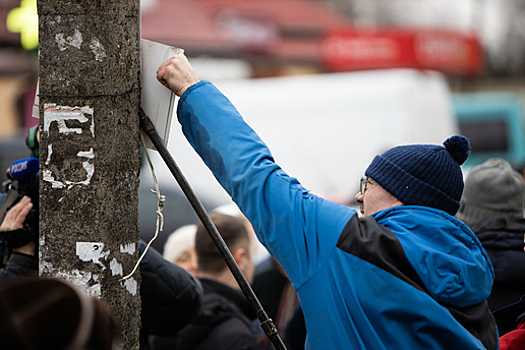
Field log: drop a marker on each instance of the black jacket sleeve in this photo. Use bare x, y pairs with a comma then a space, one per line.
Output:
170, 295
19, 265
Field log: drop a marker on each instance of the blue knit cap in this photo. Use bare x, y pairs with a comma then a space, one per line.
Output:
428, 175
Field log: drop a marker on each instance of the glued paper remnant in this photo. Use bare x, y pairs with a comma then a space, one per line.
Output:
92, 251
62, 116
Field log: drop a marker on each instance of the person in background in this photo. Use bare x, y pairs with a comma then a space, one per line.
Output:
23, 260
493, 207
273, 289
41, 314
180, 248
226, 317
407, 275
260, 254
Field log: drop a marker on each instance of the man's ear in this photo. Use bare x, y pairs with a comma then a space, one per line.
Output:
238, 255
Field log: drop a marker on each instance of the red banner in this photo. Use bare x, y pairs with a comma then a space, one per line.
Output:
453, 53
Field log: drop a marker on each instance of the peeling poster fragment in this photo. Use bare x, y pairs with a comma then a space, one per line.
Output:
98, 49
116, 267
85, 280
74, 41
128, 248
48, 176
131, 285
61, 115
91, 251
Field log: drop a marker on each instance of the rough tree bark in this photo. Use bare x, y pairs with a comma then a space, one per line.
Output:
89, 150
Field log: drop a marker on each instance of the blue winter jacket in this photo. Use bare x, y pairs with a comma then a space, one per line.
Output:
409, 277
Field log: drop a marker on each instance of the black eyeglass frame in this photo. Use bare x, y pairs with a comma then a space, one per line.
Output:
363, 184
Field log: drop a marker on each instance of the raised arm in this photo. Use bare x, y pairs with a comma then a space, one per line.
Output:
297, 227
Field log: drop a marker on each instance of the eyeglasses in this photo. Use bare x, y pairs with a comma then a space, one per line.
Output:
363, 184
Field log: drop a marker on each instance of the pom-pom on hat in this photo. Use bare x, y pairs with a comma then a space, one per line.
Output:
427, 175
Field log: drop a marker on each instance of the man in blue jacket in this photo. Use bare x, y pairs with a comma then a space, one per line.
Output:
407, 275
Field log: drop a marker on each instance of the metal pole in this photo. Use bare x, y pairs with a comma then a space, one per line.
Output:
266, 322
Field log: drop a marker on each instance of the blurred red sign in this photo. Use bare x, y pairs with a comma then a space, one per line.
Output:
453, 53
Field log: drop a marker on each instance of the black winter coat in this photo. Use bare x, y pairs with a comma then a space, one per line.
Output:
502, 238
19, 265
170, 295
225, 322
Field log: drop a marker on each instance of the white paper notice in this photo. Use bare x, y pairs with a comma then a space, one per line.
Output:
158, 102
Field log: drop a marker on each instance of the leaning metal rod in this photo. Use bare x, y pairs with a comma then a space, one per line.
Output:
266, 322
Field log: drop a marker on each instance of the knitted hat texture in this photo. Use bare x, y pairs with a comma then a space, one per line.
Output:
423, 174
492, 189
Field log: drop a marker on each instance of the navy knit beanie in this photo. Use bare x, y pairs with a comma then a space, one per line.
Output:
427, 175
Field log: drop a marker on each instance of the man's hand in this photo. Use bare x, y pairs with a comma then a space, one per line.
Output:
14, 220
15, 217
177, 74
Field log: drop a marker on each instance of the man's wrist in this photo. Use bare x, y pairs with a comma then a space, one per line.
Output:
28, 249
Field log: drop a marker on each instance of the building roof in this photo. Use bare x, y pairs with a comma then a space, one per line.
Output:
305, 31
238, 27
